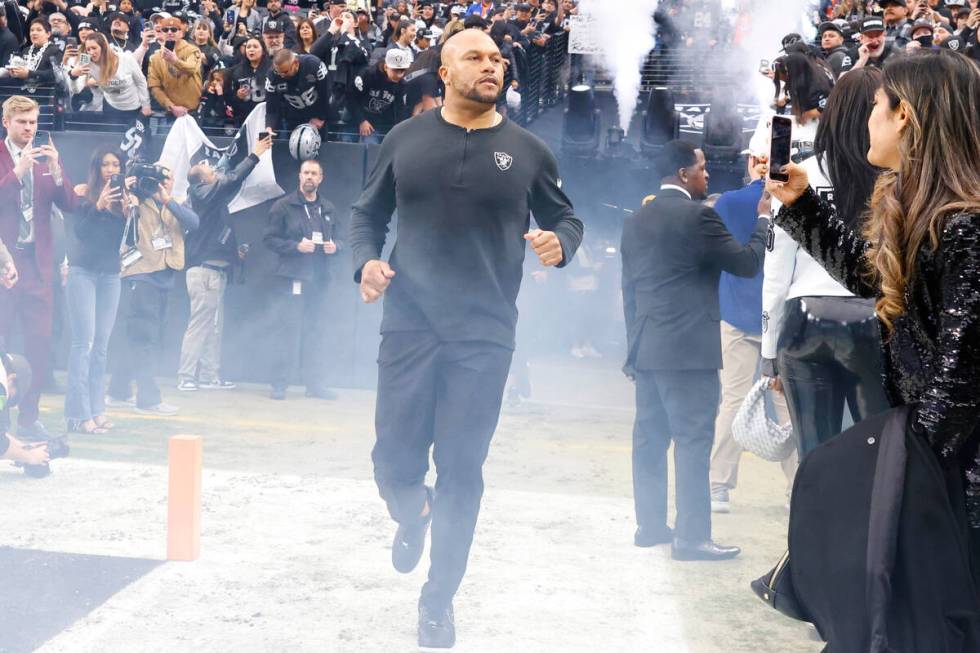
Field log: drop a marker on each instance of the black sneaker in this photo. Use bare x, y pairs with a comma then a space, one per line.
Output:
409, 544
437, 628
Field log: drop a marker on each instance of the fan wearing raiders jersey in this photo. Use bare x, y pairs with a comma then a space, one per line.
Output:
297, 91
244, 84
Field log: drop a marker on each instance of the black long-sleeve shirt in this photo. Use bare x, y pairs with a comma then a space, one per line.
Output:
215, 239
464, 200
99, 236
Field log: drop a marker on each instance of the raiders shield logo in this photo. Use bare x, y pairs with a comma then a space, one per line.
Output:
503, 160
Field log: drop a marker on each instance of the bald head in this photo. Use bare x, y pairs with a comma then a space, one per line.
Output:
468, 39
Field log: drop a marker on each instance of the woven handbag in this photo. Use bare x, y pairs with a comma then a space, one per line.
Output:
755, 432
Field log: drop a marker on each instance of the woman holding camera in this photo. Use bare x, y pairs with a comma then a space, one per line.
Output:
93, 289
116, 80
918, 255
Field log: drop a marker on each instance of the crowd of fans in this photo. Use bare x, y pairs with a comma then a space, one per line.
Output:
350, 68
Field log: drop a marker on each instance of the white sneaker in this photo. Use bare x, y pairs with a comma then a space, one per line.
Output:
720, 502
590, 352
160, 409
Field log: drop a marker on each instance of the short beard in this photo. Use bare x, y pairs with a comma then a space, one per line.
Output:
476, 95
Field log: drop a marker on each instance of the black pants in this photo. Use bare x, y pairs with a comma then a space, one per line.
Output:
679, 405
147, 308
446, 396
829, 353
300, 321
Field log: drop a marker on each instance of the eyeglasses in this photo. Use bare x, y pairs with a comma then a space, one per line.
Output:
169, 30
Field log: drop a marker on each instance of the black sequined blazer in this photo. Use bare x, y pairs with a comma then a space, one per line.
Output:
932, 356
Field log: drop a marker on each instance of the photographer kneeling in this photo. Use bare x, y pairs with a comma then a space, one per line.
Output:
153, 244
16, 372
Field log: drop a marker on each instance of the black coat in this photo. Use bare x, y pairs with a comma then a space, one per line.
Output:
932, 355
288, 225
674, 251
878, 553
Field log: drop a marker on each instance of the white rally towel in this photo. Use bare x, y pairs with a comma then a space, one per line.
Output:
187, 144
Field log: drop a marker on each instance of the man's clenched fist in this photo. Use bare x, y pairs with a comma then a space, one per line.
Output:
375, 277
546, 245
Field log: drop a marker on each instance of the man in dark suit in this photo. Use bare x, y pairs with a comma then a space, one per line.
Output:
31, 179
674, 250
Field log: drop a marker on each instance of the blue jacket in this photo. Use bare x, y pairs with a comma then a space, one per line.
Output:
741, 299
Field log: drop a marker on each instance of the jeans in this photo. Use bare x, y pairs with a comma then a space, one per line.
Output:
93, 298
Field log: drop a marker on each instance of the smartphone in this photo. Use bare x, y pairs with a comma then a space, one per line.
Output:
84, 59
764, 67
117, 181
780, 146
42, 138
71, 42
170, 45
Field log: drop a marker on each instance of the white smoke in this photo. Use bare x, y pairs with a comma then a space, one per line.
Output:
626, 30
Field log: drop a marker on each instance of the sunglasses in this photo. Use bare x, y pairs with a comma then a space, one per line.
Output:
169, 30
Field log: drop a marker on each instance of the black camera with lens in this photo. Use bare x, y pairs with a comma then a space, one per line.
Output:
148, 179
57, 448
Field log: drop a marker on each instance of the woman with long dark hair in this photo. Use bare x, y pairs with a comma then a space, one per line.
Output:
305, 36
820, 341
244, 84
805, 84
92, 291
918, 255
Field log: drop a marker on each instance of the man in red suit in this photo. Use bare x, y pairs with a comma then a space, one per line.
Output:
31, 179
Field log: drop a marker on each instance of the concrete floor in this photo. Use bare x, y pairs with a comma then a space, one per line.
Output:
296, 542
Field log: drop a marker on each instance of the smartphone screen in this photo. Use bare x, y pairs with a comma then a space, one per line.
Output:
779, 152
84, 59
171, 45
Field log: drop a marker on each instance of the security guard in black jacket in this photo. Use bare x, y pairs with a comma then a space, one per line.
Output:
301, 232
674, 250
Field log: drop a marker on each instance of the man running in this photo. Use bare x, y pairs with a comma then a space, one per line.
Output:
450, 310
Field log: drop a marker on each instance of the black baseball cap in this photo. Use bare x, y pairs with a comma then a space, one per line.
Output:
888, 3
111, 18
954, 43
522, 6
872, 24
922, 24
272, 27
830, 26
